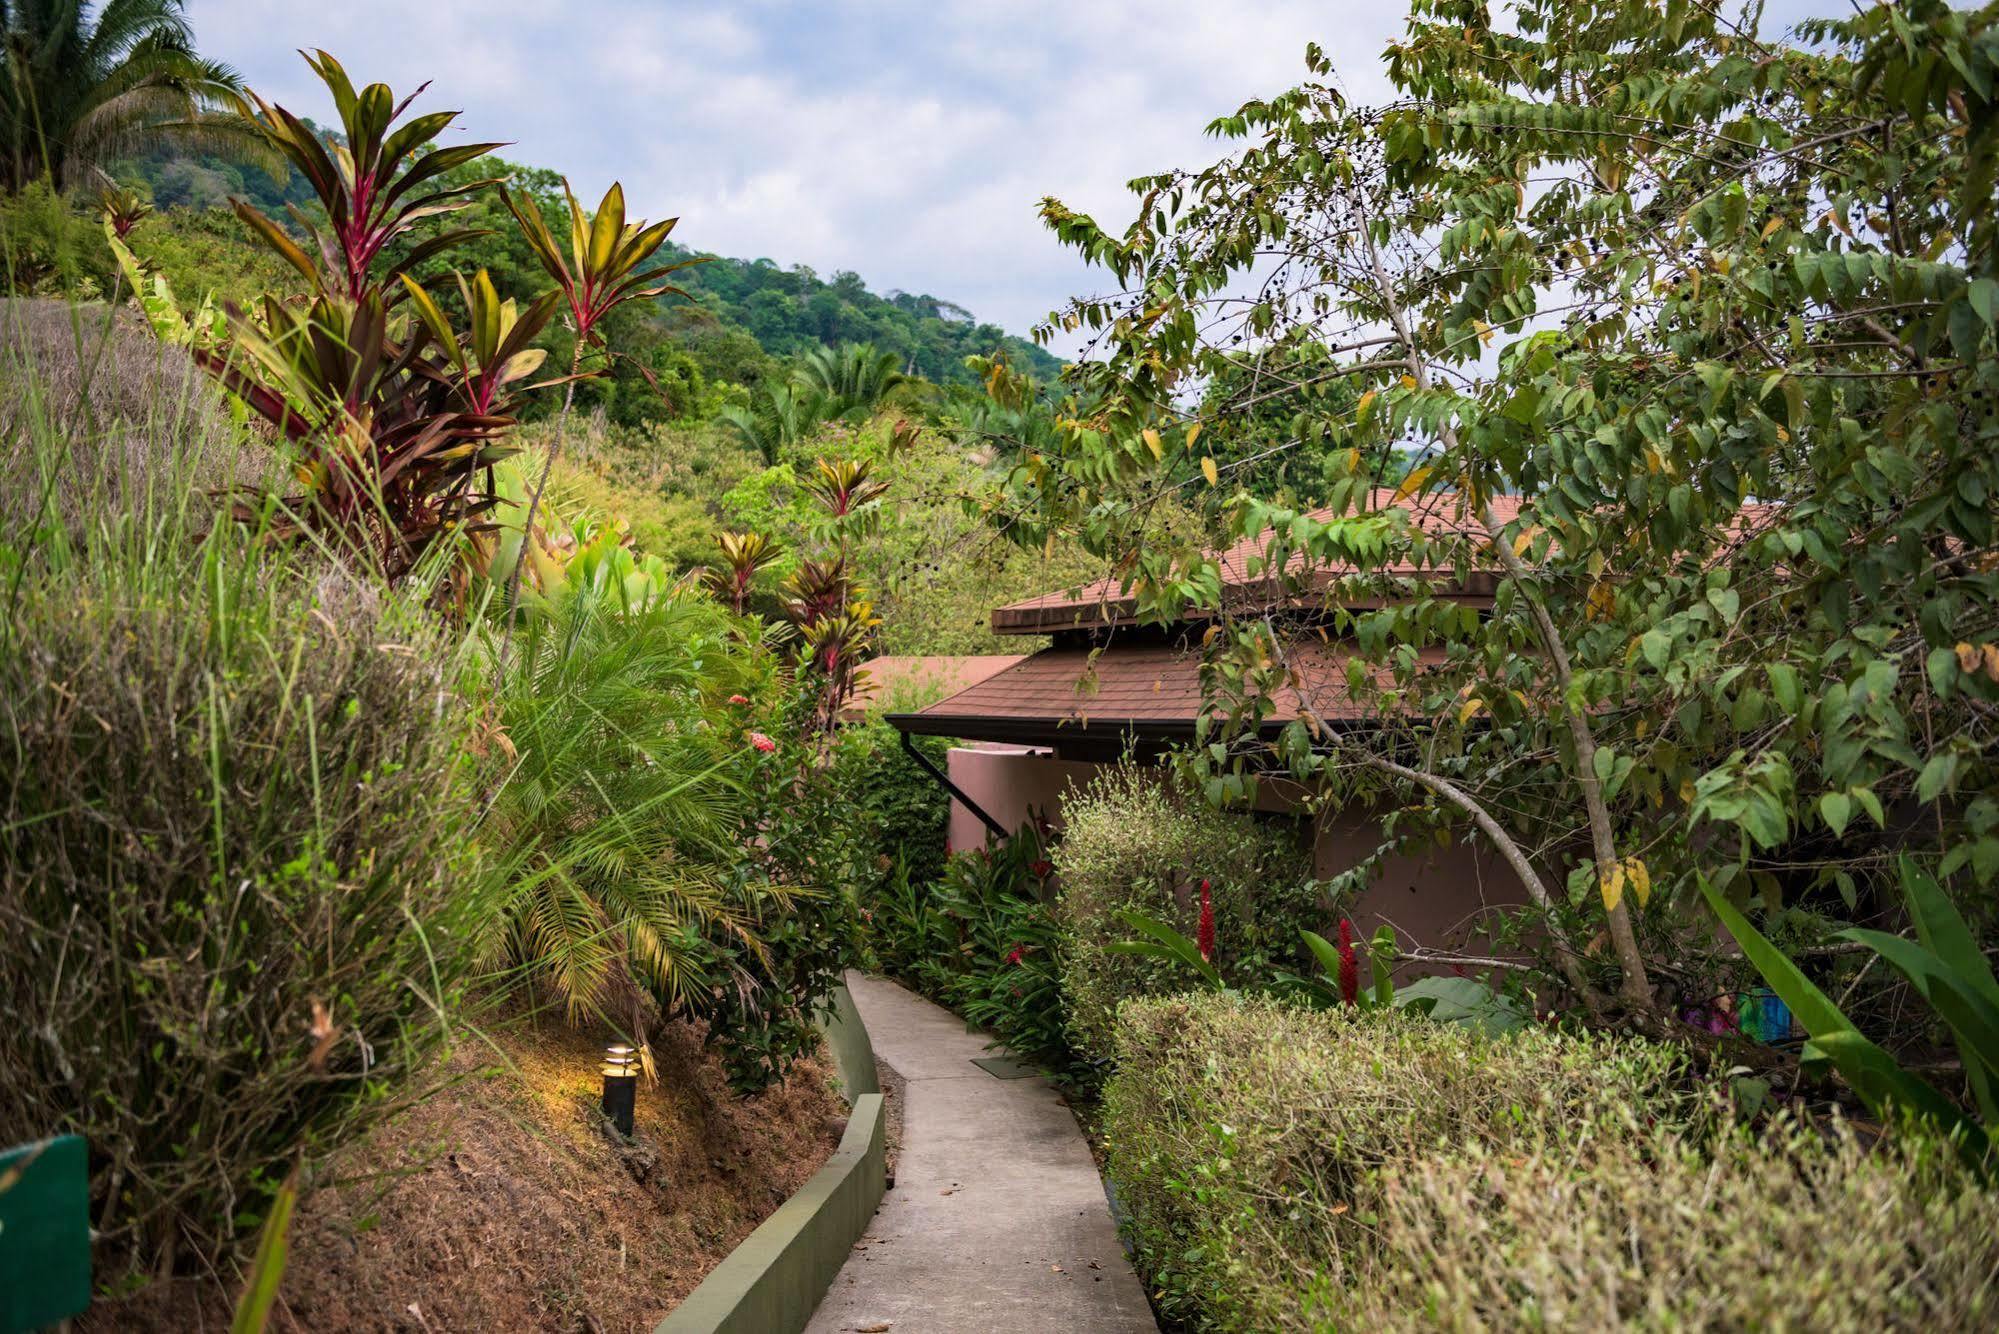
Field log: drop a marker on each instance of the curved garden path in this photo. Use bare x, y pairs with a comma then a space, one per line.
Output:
998, 1219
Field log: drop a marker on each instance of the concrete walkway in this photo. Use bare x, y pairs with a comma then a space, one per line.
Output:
997, 1220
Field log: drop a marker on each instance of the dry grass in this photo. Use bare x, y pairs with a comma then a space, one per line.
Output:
502, 1205
133, 424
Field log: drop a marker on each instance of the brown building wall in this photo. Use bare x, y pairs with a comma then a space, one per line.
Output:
1441, 899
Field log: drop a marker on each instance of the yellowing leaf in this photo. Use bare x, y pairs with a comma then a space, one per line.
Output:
1967, 657
1770, 227
1470, 707
1362, 408
1193, 434
1639, 879
1484, 331
1525, 540
1208, 471
1408, 382
1613, 888
1151, 438
1413, 482
1602, 600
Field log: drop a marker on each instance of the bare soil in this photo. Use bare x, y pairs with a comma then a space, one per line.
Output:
504, 1203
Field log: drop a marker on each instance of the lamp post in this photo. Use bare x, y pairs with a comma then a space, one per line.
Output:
621, 1084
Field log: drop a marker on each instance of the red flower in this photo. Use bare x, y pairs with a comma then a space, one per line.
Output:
762, 742
1040, 868
1019, 952
1349, 966
739, 699
1206, 932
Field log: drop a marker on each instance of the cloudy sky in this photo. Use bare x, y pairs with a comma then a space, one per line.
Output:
907, 141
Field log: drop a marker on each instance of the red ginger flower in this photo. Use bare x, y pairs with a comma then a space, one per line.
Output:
1019, 951
1041, 868
739, 699
1205, 936
762, 742
1349, 965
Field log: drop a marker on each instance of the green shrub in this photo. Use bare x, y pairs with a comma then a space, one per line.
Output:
1251, 1143
1132, 843
984, 941
49, 246
237, 807
895, 811
1783, 1228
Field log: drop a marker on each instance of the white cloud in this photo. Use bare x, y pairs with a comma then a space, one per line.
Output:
907, 141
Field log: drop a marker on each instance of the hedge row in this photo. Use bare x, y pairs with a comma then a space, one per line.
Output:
1286, 1169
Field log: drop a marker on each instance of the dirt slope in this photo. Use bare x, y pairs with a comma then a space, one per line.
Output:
502, 1205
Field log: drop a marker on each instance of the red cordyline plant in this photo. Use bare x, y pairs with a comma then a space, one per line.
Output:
817, 589
486, 370
603, 266
845, 486
743, 554
387, 453
370, 186
123, 209
836, 644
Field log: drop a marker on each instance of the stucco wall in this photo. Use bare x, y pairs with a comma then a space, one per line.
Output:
1010, 782
1440, 899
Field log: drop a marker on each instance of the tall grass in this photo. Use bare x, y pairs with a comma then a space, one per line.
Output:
236, 793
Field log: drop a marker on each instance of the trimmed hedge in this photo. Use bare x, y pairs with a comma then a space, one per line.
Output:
1130, 842
1780, 1228
1286, 1169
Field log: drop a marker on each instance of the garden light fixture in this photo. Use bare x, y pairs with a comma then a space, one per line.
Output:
621, 1084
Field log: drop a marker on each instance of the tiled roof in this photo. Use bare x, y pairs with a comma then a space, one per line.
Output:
1143, 686
936, 675
1107, 603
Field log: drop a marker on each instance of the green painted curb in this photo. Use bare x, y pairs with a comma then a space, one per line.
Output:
772, 1283
853, 1053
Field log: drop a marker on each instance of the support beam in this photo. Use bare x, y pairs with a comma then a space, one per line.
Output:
944, 781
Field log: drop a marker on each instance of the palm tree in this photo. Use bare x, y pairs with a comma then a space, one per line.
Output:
854, 377
80, 88
611, 840
790, 413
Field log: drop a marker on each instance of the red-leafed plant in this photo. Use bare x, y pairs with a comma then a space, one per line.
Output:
386, 423
743, 554
603, 266
372, 187
845, 486
817, 589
